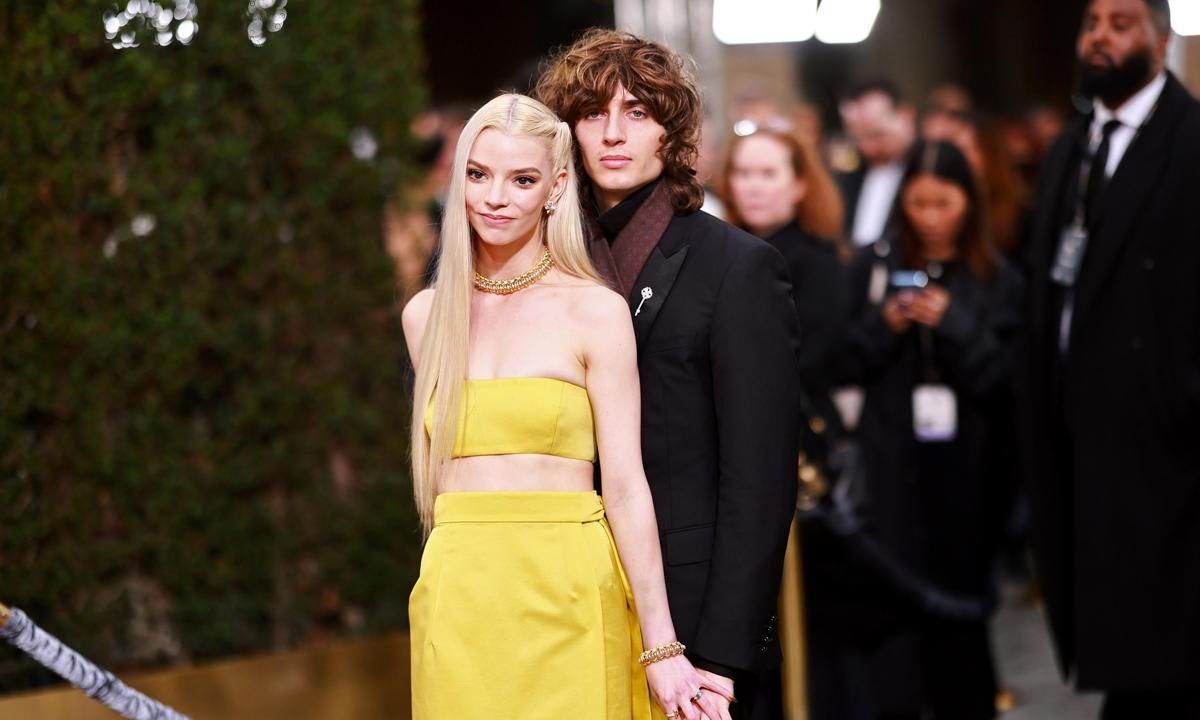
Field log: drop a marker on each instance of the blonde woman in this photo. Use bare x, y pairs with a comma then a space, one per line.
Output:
526, 369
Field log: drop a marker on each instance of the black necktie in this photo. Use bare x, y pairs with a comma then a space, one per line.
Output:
1098, 176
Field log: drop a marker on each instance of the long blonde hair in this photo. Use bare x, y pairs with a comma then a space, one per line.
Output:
442, 364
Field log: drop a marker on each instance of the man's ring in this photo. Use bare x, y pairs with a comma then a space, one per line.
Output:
699, 694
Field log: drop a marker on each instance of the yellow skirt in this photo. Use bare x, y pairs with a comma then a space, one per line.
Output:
522, 610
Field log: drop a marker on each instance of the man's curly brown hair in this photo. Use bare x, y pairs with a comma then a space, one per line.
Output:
584, 77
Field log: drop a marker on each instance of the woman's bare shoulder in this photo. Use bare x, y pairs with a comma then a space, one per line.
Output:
599, 310
416, 313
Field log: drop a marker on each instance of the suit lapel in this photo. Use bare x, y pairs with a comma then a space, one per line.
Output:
1133, 184
654, 284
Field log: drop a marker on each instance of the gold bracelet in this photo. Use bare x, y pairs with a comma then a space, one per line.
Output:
662, 652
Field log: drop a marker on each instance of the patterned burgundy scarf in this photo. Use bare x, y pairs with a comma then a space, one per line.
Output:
621, 262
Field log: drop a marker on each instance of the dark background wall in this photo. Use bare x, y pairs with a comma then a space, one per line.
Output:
1008, 53
476, 48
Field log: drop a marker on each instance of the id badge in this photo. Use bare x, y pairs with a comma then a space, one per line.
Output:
935, 413
1069, 258
877, 288
849, 402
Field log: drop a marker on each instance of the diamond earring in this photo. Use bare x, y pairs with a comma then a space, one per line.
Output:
550, 207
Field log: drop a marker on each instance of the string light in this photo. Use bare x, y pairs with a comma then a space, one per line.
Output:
266, 16
124, 27
138, 20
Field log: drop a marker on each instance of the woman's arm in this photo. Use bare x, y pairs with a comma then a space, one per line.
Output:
613, 386
610, 358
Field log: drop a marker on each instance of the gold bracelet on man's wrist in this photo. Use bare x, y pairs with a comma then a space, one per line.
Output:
662, 652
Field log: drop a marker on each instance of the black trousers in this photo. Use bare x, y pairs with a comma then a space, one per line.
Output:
1152, 705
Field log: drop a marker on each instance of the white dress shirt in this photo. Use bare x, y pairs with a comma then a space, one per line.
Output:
1132, 115
875, 202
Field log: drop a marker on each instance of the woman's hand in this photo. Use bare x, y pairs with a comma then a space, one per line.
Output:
928, 306
895, 313
674, 684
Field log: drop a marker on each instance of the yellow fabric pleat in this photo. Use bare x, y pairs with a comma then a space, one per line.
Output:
522, 610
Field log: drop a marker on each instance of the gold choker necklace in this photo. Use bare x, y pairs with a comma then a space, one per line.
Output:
520, 282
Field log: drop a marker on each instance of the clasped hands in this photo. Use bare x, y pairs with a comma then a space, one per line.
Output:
688, 693
924, 307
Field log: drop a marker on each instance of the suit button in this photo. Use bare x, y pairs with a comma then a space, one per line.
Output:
1148, 263
1136, 343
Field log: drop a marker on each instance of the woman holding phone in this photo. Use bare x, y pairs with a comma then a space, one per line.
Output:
936, 311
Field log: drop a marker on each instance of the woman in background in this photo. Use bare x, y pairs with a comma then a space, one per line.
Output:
775, 187
935, 314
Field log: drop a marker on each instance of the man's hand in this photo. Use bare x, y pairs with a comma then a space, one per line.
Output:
719, 690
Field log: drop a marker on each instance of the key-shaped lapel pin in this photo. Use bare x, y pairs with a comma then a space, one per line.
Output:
647, 293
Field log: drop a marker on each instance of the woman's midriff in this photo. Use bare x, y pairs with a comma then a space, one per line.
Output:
510, 473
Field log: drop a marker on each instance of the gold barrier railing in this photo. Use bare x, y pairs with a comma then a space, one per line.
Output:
365, 680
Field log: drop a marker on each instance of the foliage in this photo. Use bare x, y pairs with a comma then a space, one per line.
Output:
202, 428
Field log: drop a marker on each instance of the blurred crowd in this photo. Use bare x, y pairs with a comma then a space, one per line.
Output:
903, 236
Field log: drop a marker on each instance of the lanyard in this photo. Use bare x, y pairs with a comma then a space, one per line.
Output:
927, 348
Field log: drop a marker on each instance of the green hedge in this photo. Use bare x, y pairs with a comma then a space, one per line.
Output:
202, 430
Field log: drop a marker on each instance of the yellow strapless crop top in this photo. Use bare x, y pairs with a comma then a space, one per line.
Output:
511, 416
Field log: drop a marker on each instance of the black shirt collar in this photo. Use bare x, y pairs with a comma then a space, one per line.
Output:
614, 220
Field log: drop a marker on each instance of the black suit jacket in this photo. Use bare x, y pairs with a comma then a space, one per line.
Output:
1117, 540
717, 345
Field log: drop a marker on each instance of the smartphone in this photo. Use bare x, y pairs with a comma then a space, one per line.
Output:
908, 279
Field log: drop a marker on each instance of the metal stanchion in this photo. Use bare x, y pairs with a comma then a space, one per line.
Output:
792, 631
98, 683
